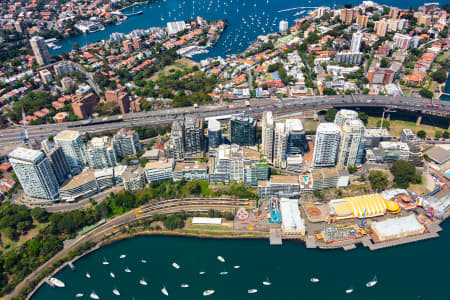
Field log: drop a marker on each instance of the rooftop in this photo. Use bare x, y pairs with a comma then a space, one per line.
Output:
25, 154
182, 166
284, 179
80, 179
439, 155
159, 164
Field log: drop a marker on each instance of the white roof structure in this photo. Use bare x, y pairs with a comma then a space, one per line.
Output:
291, 219
204, 220
294, 125
397, 227
213, 125
174, 27
25, 154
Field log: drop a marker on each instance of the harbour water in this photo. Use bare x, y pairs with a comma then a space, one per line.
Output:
246, 19
414, 271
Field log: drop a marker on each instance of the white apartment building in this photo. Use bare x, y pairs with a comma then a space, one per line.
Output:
280, 145
35, 173
267, 136
352, 133
159, 170
344, 115
73, 148
100, 153
326, 145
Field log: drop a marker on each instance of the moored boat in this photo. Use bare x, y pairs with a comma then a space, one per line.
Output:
208, 292
373, 282
220, 258
175, 265
56, 282
252, 291
314, 280
164, 291
116, 292
93, 295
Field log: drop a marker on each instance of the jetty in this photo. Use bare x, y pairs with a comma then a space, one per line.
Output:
295, 8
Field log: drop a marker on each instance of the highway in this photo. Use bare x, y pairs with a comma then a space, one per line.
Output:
256, 108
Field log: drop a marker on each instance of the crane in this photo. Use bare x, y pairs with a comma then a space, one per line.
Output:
25, 138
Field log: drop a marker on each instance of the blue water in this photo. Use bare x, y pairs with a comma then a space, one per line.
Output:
414, 271
447, 91
237, 37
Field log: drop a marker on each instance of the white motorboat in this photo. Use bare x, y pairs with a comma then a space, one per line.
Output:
79, 295
175, 265
56, 282
220, 258
184, 285
112, 275
142, 282
236, 267
88, 275
105, 262
93, 295
373, 282
164, 291
127, 270
116, 292
252, 291
208, 292
223, 273
267, 282
143, 261
202, 273
122, 256
349, 291
314, 280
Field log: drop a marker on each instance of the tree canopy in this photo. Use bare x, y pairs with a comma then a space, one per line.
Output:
404, 174
331, 114
378, 180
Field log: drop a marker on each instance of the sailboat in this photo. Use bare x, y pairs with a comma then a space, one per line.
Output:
142, 282
252, 291
127, 270
93, 295
105, 262
236, 267
116, 292
175, 265
220, 258
314, 280
143, 261
208, 292
349, 291
79, 295
223, 273
164, 291
123, 256
88, 275
373, 282
112, 275
184, 285
267, 282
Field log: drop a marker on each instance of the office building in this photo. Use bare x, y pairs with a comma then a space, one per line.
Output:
297, 143
214, 133
345, 115
35, 173
63, 67
284, 26
362, 20
83, 106
190, 171
279, 186
40, 50
326, 145
393, 151
176, 141
347, 15
193, 136
100, 153
255, 172
126, 142
59, 163
415, 153
280, 142
159, 170
267, 136
355, 45
73, 147
352, 133
373, 137
243, 130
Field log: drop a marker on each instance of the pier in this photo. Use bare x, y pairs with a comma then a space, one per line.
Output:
295, 8
275, 236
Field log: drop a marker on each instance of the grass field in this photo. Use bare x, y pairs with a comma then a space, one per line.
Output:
396, 127
310, 125
180, 64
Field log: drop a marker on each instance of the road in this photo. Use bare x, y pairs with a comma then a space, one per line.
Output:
256, 108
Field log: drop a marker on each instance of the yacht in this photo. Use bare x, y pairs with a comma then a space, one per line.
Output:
56, 282
175, 265
164, 291
314, 280
88, 275
143, 261
79, 295
373, 282
127, 270
236, 267
221, 258
116, 292
223, 273
208, 292
93, 295
202, 273
267, 282
184, 285
123, 256
105, 262
349, 291
252, 291
142, 282
112, 275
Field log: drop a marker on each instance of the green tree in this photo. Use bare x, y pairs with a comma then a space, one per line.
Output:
446, 135
363, 117
404, 174
330, 114
174, 222
329, 91
378, 180
438, 134
39, 214
439, 76
426, 93
352, 169
384, 63
421, 133
318, 194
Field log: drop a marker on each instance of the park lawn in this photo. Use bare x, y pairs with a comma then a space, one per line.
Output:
9, 244
396, 127
310, 125
180, 64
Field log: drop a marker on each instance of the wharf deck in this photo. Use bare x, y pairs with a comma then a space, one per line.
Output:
275, 237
